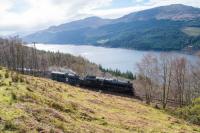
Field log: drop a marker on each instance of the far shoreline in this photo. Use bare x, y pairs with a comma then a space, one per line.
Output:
183, 51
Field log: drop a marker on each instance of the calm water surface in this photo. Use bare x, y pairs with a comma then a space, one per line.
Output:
115, 58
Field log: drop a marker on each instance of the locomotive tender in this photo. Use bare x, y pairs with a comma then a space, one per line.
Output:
96, 83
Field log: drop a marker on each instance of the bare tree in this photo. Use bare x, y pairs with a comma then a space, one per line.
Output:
147, 69
165, 73
168, 77
180, 70
194, 81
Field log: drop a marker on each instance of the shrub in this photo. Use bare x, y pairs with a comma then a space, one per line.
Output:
21, 79
27, 81
2, 83
7, 74
1, 76
10, 83
191, 112
1, 68
86, 117
15, 78
10, 126
13, 96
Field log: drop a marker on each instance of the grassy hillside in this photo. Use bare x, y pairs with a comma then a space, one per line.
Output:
30, 104
192, 31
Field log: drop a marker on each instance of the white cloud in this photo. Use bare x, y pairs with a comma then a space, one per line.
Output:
43, 13
29, 15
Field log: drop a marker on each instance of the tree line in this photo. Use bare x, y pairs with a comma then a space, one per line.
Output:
118, 73
15, 55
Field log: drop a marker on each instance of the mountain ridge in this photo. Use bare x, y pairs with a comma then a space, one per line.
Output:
155, 24
170, 10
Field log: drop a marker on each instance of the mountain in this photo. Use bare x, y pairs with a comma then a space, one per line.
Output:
171, 12
91, 22
73, 31
172, 27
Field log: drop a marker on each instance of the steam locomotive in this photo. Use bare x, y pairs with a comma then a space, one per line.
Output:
93, 82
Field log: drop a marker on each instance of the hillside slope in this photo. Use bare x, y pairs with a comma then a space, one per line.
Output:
159, 28
29, 104
170, 12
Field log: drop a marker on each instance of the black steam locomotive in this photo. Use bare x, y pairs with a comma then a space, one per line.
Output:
96, 83
69, 78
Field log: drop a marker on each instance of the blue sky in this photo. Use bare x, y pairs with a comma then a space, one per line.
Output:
126, 3
25, 16
121, 3
19, 6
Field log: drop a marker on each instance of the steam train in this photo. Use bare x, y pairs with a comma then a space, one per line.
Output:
96, 83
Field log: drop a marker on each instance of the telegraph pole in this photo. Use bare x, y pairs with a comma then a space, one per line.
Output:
35, 58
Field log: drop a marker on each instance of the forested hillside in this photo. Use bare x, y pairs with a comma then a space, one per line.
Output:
15, 55
151, 34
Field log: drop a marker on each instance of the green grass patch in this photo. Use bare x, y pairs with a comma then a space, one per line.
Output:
191, 31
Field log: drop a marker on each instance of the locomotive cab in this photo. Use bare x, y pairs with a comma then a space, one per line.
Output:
70, 78
58, 76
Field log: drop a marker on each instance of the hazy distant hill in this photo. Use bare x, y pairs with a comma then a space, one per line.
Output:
67, 33
172, 27
91, 22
